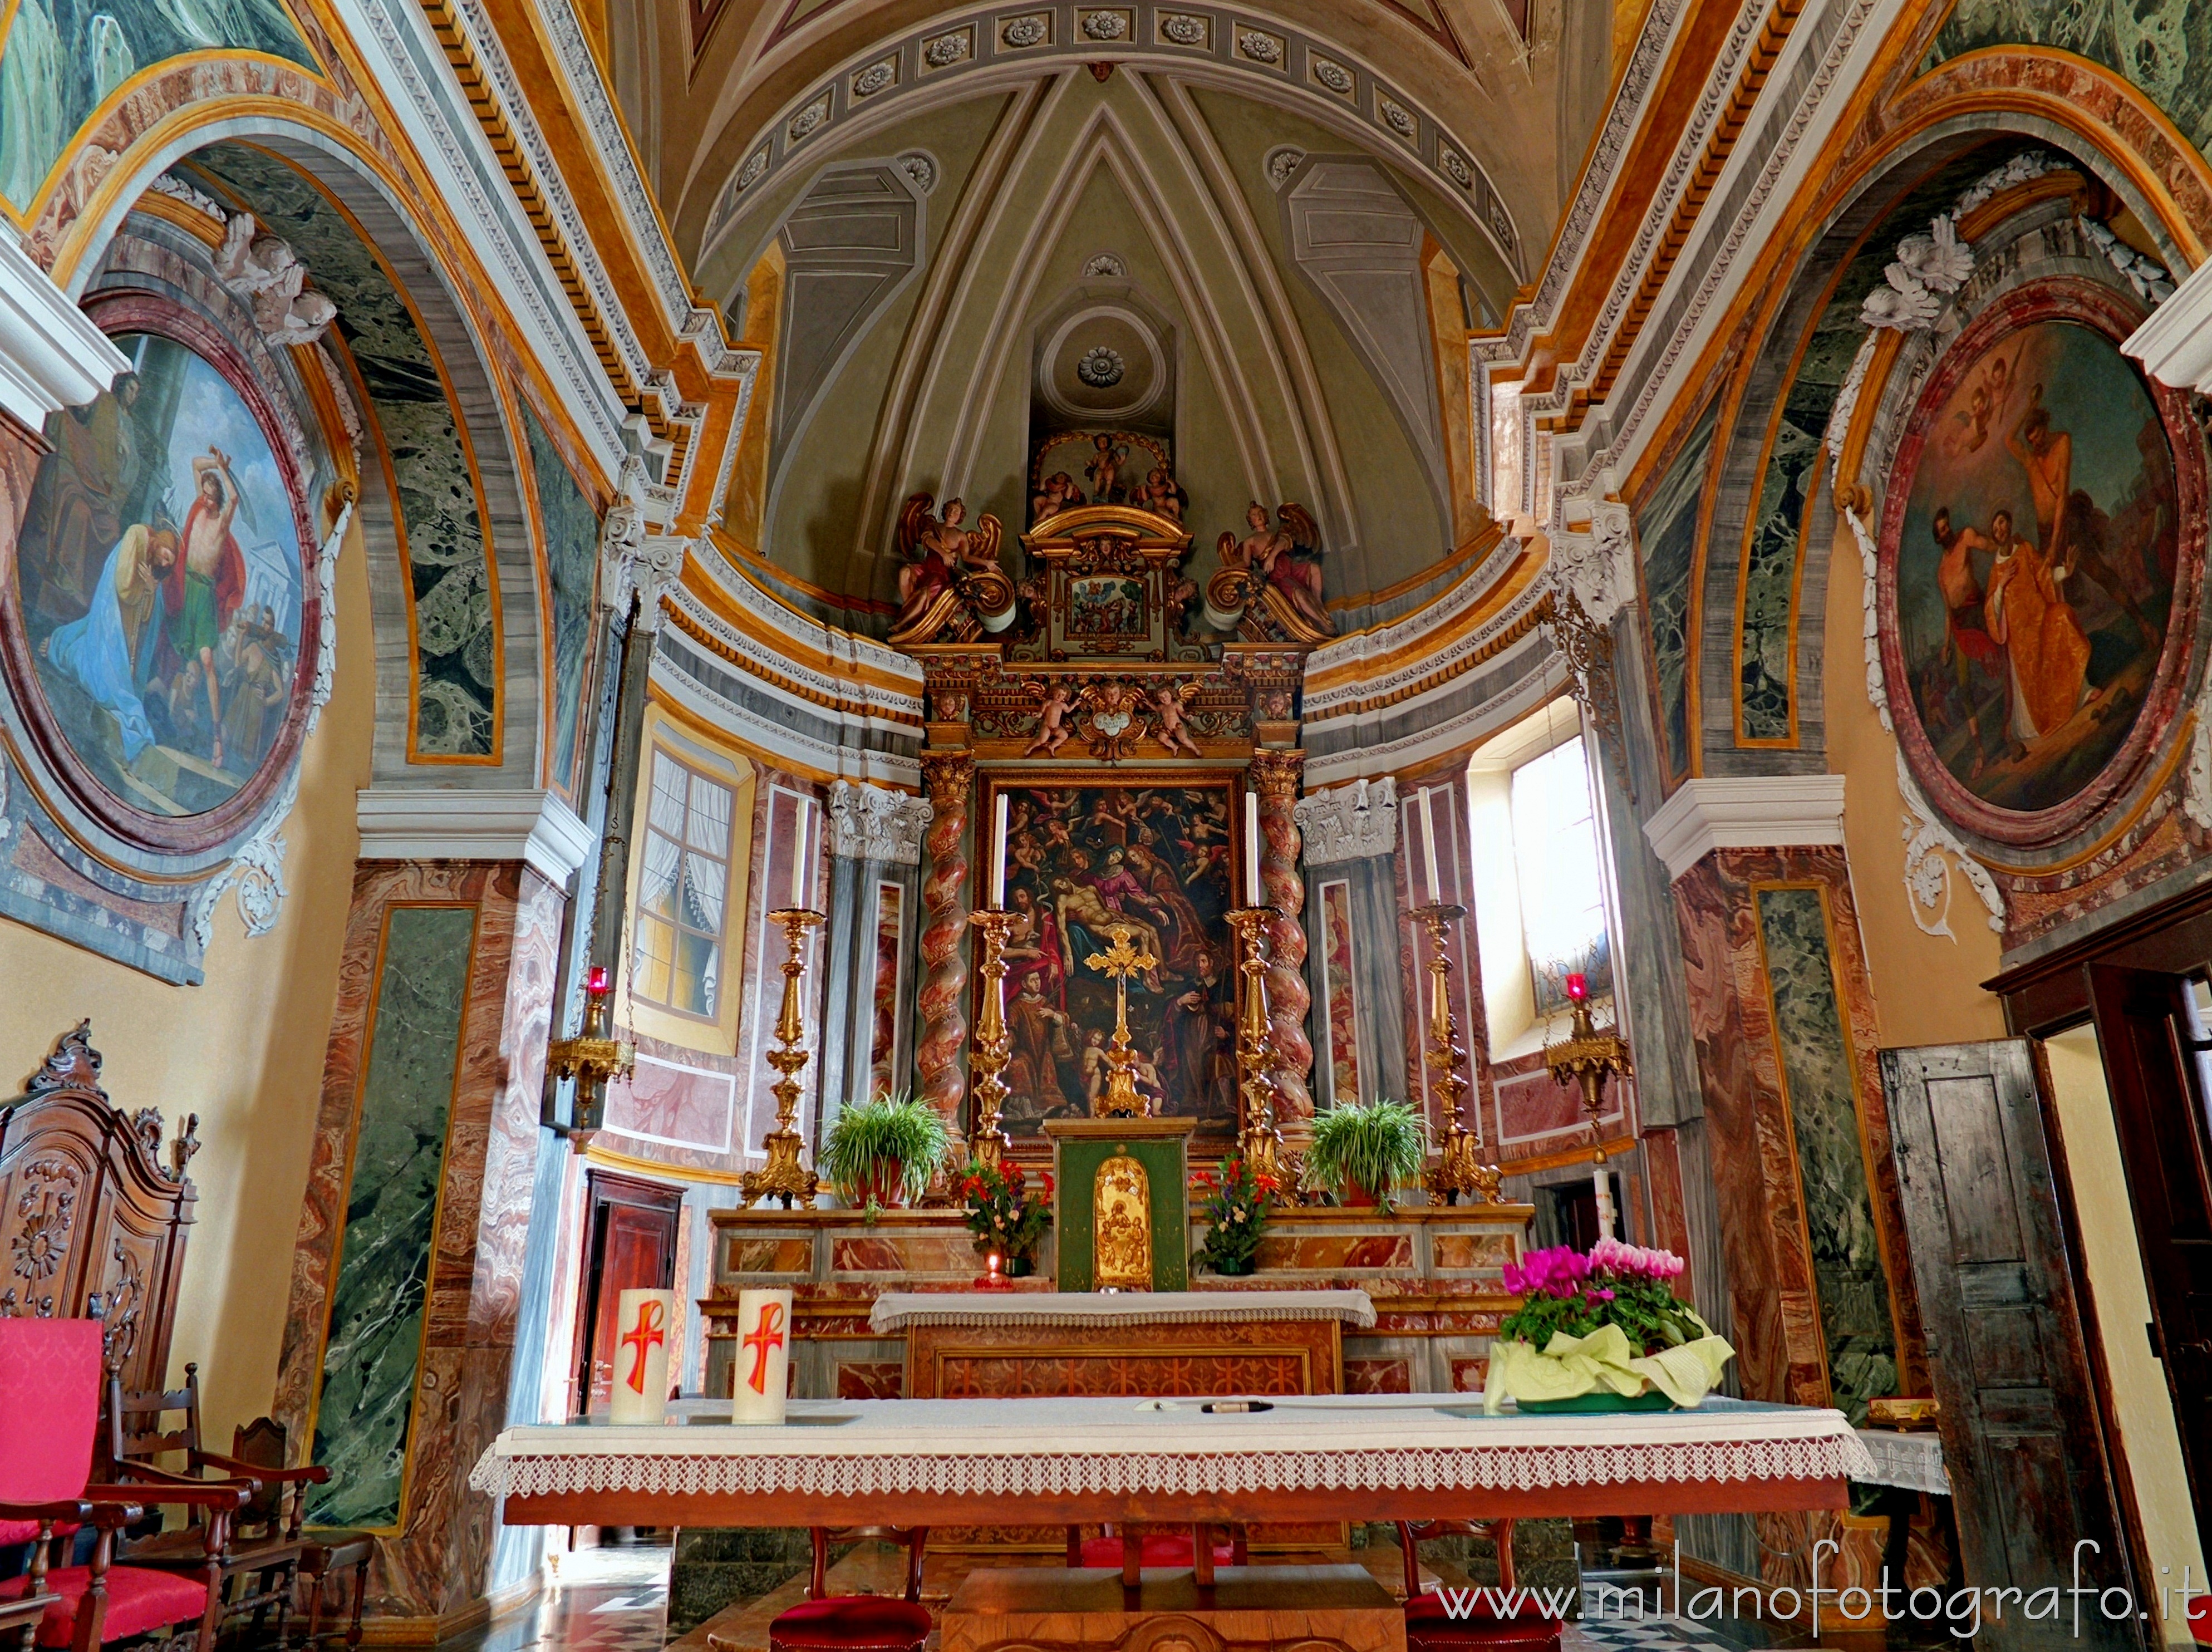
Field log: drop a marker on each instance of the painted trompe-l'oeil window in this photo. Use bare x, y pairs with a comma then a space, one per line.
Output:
683, 892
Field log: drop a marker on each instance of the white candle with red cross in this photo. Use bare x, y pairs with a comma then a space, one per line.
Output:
760, 1382
645, 1336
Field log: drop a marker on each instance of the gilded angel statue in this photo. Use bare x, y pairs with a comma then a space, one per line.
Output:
1285, 558
936, 553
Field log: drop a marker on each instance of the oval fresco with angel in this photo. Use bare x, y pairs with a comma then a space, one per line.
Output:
2034, 549
161, 577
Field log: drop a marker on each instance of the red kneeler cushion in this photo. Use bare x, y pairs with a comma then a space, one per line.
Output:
851, 1623
137, 1600
1431, 1628
1156, 1550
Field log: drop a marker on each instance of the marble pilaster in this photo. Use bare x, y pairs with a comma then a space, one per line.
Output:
875, 842
940, 1067
406, 1007
1349, 835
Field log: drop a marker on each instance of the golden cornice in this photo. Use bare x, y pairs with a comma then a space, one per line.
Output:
753, 667
1438, 641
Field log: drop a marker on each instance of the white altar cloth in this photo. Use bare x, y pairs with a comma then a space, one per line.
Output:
895, 1310
1016, 1447
1913, 1462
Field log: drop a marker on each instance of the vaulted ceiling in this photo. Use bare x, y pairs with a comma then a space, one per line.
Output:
1272, 230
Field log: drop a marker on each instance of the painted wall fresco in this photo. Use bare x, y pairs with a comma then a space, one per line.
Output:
571, 528
1667, 532
1848, 1274
161, 577
448, 555
2155, 44
2035, 557
63, 59
1342, 1008
367, 1395
1157, 858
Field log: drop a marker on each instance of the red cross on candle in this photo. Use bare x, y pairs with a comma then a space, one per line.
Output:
766, 1335
649, 1332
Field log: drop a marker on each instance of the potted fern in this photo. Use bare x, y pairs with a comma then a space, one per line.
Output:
883, 1152
1360, 1153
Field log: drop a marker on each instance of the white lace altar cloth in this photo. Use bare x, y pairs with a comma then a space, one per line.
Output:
1913, 1462
895, 1310
1059, 1446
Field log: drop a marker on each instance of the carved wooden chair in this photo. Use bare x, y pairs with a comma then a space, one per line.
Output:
855, 1623
50, 1372
254, 1560
327, 1553
1136, 1550
1432, 1625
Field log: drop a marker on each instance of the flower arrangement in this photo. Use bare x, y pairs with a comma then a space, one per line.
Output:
1235, 1201
1600, 1332
1002, 1216
1360, 1153
883, 1152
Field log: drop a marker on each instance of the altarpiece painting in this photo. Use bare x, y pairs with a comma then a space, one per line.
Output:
1158, 855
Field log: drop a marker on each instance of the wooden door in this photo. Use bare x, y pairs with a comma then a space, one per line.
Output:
630, 1245
2153, 1044
2022, 1438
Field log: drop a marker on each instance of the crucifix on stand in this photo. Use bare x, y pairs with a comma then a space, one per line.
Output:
1119, 962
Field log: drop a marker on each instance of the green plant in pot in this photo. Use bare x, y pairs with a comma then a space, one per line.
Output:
1360, 1153
881, 1153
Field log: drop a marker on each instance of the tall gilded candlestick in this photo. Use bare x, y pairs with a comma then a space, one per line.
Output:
1456, 1170
783, 1176
994, 1044
1258, 1143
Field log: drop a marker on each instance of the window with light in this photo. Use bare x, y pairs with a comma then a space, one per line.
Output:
683, 891
1560, 876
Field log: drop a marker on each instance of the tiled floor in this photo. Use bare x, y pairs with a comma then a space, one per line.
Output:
615, 1600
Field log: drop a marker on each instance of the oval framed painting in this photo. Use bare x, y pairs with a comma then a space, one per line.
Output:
164, 607
2041, 544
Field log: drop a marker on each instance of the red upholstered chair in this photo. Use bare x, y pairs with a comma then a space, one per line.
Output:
1430, 1624
856, 1623
1136, 1551
50, 1374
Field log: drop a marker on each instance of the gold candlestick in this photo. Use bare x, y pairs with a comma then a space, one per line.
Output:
1121, 961
1259, 1142
1456, 1170
783, 1176
591, 1057
994, 1044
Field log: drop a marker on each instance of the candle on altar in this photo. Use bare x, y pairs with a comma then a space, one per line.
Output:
1252, 849
1429, 847
998, 852
799, 862
1603, 1182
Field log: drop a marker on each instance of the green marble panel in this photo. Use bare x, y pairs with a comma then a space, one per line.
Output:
2161, 45
572, 556
1816, 1074
375, 1342
1667, 533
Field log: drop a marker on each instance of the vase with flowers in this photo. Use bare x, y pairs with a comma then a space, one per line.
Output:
1006, 1220
1600, 1331
1234, 1201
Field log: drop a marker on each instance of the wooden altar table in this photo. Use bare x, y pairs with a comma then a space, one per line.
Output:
941, 1462
975, 1344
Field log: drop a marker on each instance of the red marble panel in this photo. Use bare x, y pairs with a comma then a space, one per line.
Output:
991, 1376
1309, 1252
1473, 1250
1467, 1374
1377, 1377
921, 1254
770, 1256
674, 1104
883, 1380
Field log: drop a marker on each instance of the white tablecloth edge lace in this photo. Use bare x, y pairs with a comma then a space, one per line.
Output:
895, 1310
1486, 1468
1912, 1462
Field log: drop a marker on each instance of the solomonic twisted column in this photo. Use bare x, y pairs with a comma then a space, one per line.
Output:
950, 780
1276, 775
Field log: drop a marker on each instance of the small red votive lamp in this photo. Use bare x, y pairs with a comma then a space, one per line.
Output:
1578, 987
993, 1278
595, 980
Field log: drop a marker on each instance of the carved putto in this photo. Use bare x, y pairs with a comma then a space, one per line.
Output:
950, 586
1269, 588
269, 275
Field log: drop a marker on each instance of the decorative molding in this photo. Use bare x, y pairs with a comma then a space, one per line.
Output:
2174, 342
781, 738
1761, 811
1358, 822
845, 648
257, 871
421, 824
51, 355
327, 639
1598, 565
873, 823
1930, 850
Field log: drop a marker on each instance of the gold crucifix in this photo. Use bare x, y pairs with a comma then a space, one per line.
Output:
1119, 963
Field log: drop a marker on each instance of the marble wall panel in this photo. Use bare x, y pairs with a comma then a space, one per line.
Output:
570, 528
367, 1395
1377, 1377
1666, 535
1462, 1252
940, 1255
1334, 1253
